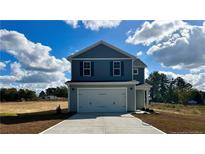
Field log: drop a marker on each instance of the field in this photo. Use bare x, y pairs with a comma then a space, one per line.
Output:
32, 106
35, 117
30, 117
177, 118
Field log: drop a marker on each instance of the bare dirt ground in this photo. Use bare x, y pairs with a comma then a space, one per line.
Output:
177, 118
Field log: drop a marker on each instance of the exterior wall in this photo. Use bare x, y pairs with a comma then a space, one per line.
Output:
130, 95
140, 99
131, 98
73, 99
140, 77
101, 51
101, 71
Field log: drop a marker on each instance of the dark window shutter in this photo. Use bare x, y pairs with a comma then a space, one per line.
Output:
122, 68
81, 68
92, 68
111, 68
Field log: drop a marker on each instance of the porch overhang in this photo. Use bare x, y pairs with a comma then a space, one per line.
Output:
103, 83
144, 86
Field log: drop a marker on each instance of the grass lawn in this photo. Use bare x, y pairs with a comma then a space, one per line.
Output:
177, 118
30, 117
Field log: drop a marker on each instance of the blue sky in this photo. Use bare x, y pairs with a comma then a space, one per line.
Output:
65, 38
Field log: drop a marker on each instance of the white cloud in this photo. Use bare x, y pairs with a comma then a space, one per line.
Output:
2, 65
154, 31
34, 56
139, 53
35, 65
129, 32
94, 25
184, 52
98, 24
197, 80
16, 70
174, 44
7, 61
146, 73
72, 23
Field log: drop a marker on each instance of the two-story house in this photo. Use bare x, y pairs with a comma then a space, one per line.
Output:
105, 78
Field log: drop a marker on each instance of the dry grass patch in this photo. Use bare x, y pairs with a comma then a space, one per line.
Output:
31, 117
31, 106
179, 108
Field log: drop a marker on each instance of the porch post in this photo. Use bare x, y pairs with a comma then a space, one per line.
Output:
147, 98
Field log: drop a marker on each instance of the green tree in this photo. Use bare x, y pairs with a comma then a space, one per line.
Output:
21, 94
196, 95
58, 91
30, 95
51, 91
42, 94
182, 90
160, 86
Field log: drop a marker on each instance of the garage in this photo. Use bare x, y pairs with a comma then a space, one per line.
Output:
102, 100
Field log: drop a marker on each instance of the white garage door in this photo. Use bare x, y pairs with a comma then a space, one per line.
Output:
102, 100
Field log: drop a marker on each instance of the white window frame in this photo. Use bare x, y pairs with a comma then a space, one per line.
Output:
113, 68
86, 68
135, 68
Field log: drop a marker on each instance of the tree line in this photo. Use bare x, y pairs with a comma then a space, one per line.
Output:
12, 94
58, 92
172, 90
163, 89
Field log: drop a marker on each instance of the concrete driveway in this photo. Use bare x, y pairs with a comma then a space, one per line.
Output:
102, 123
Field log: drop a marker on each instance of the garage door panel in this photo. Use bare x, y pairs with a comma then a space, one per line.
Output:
102, 100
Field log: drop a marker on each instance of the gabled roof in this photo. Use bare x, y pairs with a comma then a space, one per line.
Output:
137, 62
99, 43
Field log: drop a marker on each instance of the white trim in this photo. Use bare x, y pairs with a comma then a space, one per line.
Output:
143, 87
102, 59
71, 74
98, 43
69, 89
135, 98
113, 68
126, 99
87, 68
135, 68
77, 99
132, 69
147, 98
102, 88
103, 83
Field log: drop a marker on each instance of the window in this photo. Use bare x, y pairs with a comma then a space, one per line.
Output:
86, 68
135, 71
116, 68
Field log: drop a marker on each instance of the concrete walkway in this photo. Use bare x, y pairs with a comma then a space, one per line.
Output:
102, 123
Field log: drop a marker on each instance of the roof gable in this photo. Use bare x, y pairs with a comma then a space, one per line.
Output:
137, 62
101, 49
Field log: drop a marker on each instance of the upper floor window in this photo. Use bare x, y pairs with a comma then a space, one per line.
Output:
86, 68
116, 68
135, 71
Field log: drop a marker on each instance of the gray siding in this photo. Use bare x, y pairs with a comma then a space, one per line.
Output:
73, 99
140, 76
140, 99
131, 106
101, 51
102, 71
130, 96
